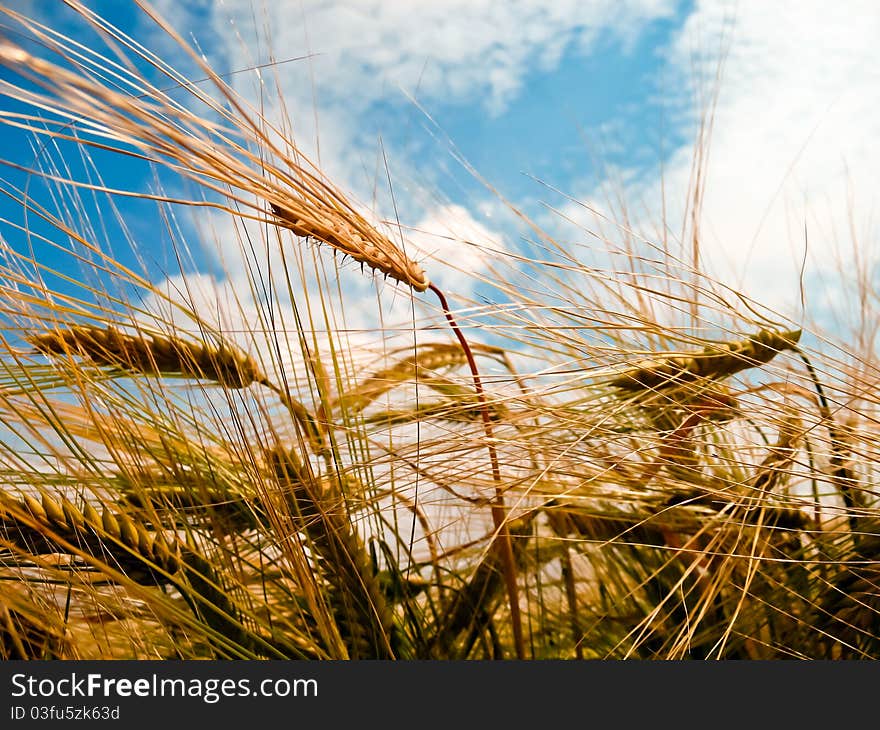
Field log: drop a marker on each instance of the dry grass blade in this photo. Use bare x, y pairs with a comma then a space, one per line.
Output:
472, 606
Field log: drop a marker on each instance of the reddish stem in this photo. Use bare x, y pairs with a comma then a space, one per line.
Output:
498, 512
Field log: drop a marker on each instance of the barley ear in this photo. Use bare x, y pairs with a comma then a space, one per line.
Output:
714, 362
362, 613
353, 236
151, 355
427, 358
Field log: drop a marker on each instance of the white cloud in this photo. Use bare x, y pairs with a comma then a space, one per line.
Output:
375, 52
794, 139
793, 133
451, 49
369, 54
455, 246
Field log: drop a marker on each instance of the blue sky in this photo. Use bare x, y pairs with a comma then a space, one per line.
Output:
587, 96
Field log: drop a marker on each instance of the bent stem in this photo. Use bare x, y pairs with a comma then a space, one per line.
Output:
841, 475
300, 414
498, 511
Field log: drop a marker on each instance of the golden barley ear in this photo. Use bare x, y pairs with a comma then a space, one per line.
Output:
351, 235
365, 620
714, 362
151, 355
166, 132
427, 359
122, 545
155, 354
48, 524
460, 403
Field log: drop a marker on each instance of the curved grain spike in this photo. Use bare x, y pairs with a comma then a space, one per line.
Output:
426, 359
153, 355
60, 526
160, 355
349, 233
299, 197
714, 362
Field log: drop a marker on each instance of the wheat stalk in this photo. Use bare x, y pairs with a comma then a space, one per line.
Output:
499, 511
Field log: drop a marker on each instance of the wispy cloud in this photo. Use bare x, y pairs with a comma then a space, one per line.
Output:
457, 50
368, 56
793, 143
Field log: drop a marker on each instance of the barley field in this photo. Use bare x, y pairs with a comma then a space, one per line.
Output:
607, 454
